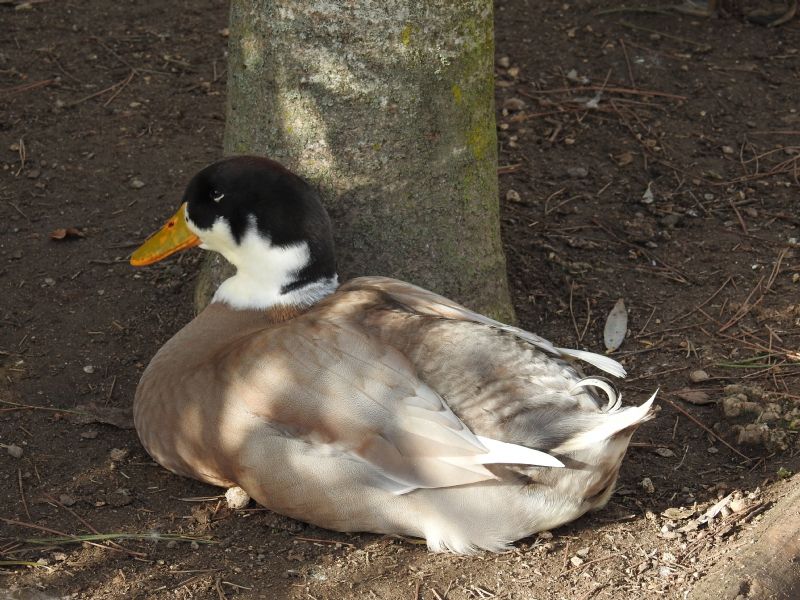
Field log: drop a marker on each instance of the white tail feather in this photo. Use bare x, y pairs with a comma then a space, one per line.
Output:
604, 363
609, 425
505, 453
613, 398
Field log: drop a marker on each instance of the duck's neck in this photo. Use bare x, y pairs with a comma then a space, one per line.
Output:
279, 278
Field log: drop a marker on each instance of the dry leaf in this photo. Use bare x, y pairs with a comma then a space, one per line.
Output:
64, 233
616, 326
694, 397
623, 159
678, 514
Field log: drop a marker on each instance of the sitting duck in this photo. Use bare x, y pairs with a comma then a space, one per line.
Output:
375, 405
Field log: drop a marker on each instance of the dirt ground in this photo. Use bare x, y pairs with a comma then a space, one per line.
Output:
652, 157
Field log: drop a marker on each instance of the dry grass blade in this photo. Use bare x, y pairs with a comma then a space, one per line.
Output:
101, 537
25, 87
91, 528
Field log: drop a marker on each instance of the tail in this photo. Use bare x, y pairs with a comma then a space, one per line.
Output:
608, 424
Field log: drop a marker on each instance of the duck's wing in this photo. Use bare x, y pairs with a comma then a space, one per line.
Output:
326, 381
421, 301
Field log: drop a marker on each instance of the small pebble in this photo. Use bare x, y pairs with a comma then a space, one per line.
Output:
578, 172
136, 183
647, 485
513, 72
712, 450
172, 544
728, 150
665, 452
738, 505
194, 545
14, 450
66, 500
118, 454
698, 376
513, 196
88, 369
670, 220
34, 173
576, 561
504, 62
514, 104
236, 498
89, 435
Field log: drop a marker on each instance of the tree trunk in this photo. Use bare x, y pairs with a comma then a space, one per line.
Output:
766, 569
387, 106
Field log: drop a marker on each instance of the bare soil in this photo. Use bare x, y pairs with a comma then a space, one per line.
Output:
106, 109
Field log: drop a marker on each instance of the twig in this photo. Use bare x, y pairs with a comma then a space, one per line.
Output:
572, 313
19, 406
18, 209
322, 541
22, 494
587, 563
218, 586
26, 87
706, 301
505, 169
111, 390
110, 88
742, 224
120, 88
596, 588
627, 62
588, 319
745, 308
566, 553
709, 431
666, 35
611, 90
646, 323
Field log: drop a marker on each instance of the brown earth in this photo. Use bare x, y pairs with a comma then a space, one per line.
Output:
106, 108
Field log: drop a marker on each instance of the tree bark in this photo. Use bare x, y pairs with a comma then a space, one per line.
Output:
387, 106
766, 569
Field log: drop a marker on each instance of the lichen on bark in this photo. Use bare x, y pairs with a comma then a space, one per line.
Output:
387, 107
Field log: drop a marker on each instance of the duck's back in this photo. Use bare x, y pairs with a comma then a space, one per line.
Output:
337, 414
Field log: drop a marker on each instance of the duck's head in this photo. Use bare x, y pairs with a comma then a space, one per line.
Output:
266, 221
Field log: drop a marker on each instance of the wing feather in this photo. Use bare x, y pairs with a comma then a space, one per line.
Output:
421, 301
360, 397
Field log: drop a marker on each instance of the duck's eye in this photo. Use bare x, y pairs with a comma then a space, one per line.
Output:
216, 196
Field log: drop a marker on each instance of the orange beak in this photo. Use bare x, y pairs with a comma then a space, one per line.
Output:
174, 236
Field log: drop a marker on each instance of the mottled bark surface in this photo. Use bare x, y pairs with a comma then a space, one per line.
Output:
387, 106
766, 569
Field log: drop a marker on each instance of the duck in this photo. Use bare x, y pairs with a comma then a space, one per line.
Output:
368, 406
